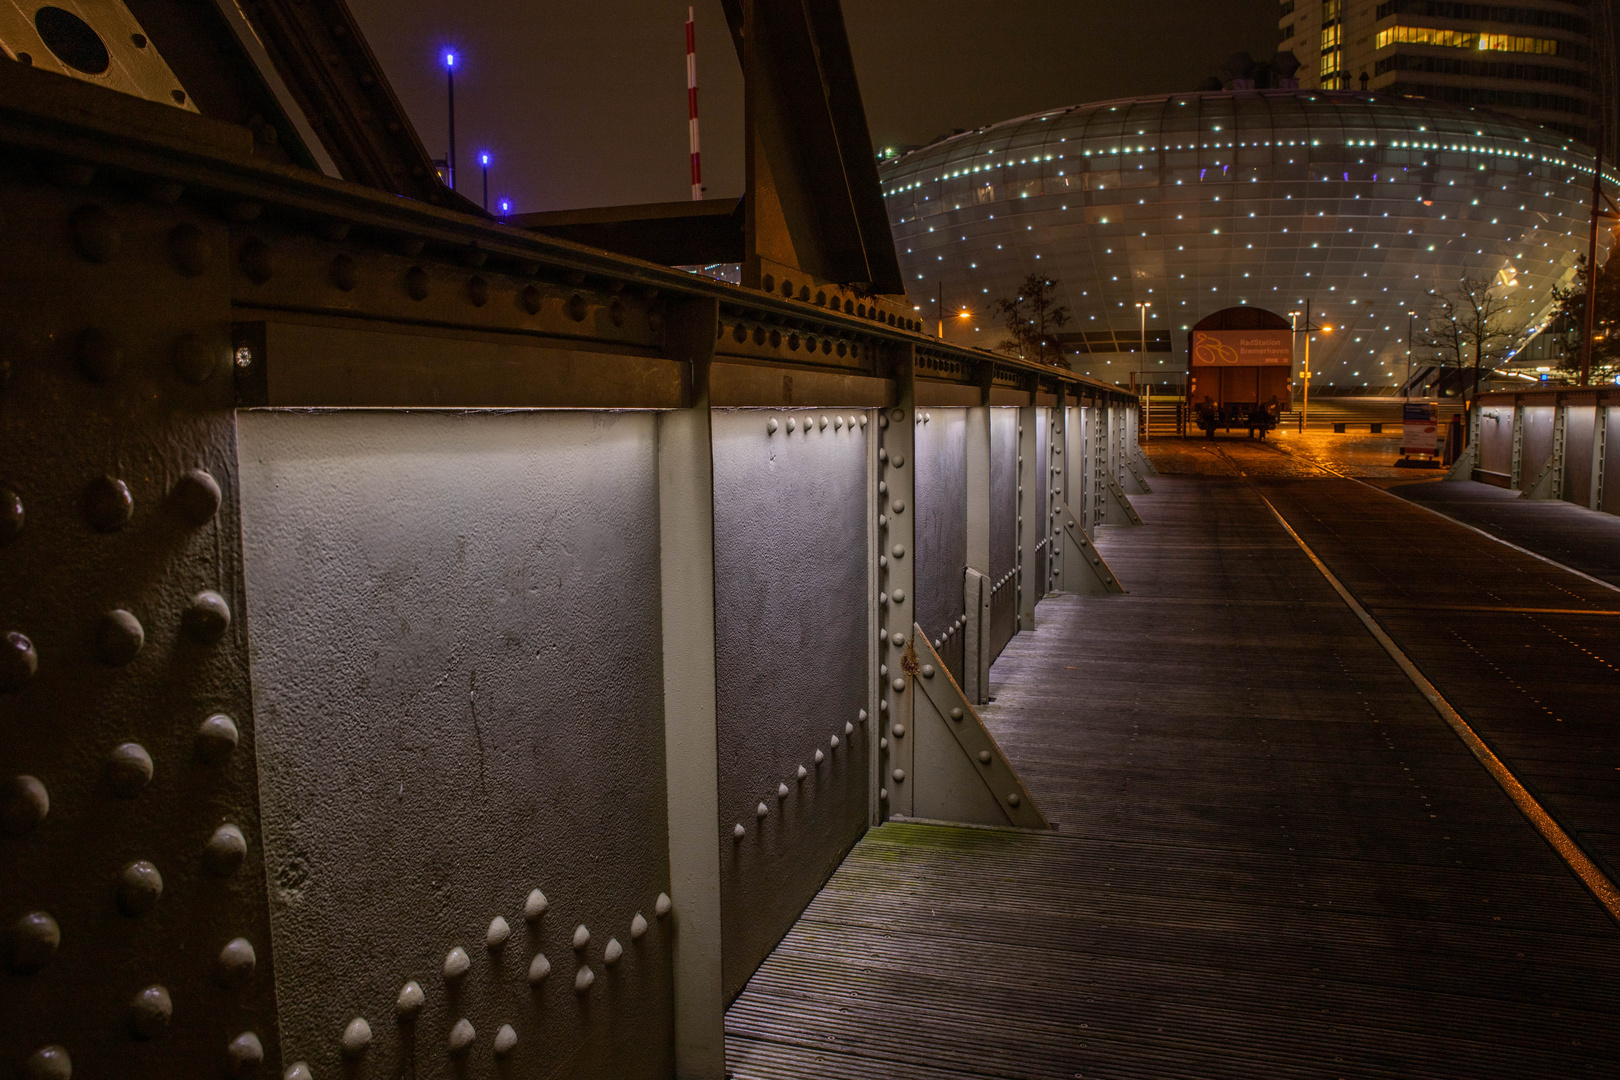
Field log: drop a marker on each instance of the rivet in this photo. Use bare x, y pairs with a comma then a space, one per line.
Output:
236, 962
583, 980
505, 1040
532, 299
899, 683
31, 942
225, 850
770, 426
129, 769
149, 1013
838, 423
119, 637
456, 963
899, 551
899, 596
139, 888
416, 283
193, 359
477, 291
898, 730
48, 1063
298, 1070
107, 504
883, 794
823, 423
882, 521
246, 1054
832, 741
216, 738
897, 460
801, 773
356, 1037
898, 506
576, 308
883, 599
410, 1001
956, 714
781, 791
984, 756
613, 952
461, 1037
883, 454
662, 905
1013, 799
849, 728
208, 617
582, 937
861, 715
24, 804
254, 259
862, 420
539, 968
883, 706
97, 355
95, 235
638, 927
11, 515
820, 757
761, 810
345, 272
792, 425
738, 832
497, 933
899, 776
196, 497
535, 906
938, 642
928, 671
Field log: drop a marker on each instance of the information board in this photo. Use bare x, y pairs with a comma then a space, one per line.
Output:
1242, 348
1420, 428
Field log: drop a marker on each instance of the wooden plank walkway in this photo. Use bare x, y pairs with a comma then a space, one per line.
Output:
1575, 536
1273, 859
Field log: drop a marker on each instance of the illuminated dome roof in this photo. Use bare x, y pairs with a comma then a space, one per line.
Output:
1190, 203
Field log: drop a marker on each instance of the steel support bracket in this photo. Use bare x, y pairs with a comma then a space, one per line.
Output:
1135, 479
1117, 508
1085, 571
959, 773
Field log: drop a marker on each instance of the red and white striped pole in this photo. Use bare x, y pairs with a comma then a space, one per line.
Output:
691, 101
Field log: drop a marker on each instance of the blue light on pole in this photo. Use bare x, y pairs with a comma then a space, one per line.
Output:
483, 161
450, 87
506, 208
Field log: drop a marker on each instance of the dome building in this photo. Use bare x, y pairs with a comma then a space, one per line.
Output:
1153, 212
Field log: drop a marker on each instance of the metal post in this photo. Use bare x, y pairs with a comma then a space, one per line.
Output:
1056, 433
483, 161
897, 545
1305, 388
976, 654
691, 746
1030, 514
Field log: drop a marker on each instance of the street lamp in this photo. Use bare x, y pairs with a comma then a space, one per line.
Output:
1141, 309
1305, 386
483, 162
450, 89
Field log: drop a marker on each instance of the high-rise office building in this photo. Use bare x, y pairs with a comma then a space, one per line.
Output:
1542, 60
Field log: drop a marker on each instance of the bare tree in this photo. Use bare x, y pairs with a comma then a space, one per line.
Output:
1570, 321
1471, 321
1032, 320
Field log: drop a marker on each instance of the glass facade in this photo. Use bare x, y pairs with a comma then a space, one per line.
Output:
1359, 203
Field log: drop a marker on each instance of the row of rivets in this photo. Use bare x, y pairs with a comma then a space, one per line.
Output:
762, 811
810, 423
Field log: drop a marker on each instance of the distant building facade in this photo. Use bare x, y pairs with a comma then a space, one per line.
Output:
1541, 60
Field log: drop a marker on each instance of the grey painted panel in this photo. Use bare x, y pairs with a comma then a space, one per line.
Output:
1536, 443
942, 528
1496, 439
1578, 432
457, 660
1038, 469
1003, 526
1611, 462
791, 654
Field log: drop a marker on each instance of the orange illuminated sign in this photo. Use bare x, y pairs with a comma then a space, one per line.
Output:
1242, 348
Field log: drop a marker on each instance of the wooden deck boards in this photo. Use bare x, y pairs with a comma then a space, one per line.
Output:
1272, 859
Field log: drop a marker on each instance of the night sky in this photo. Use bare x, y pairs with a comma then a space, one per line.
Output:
584, 104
